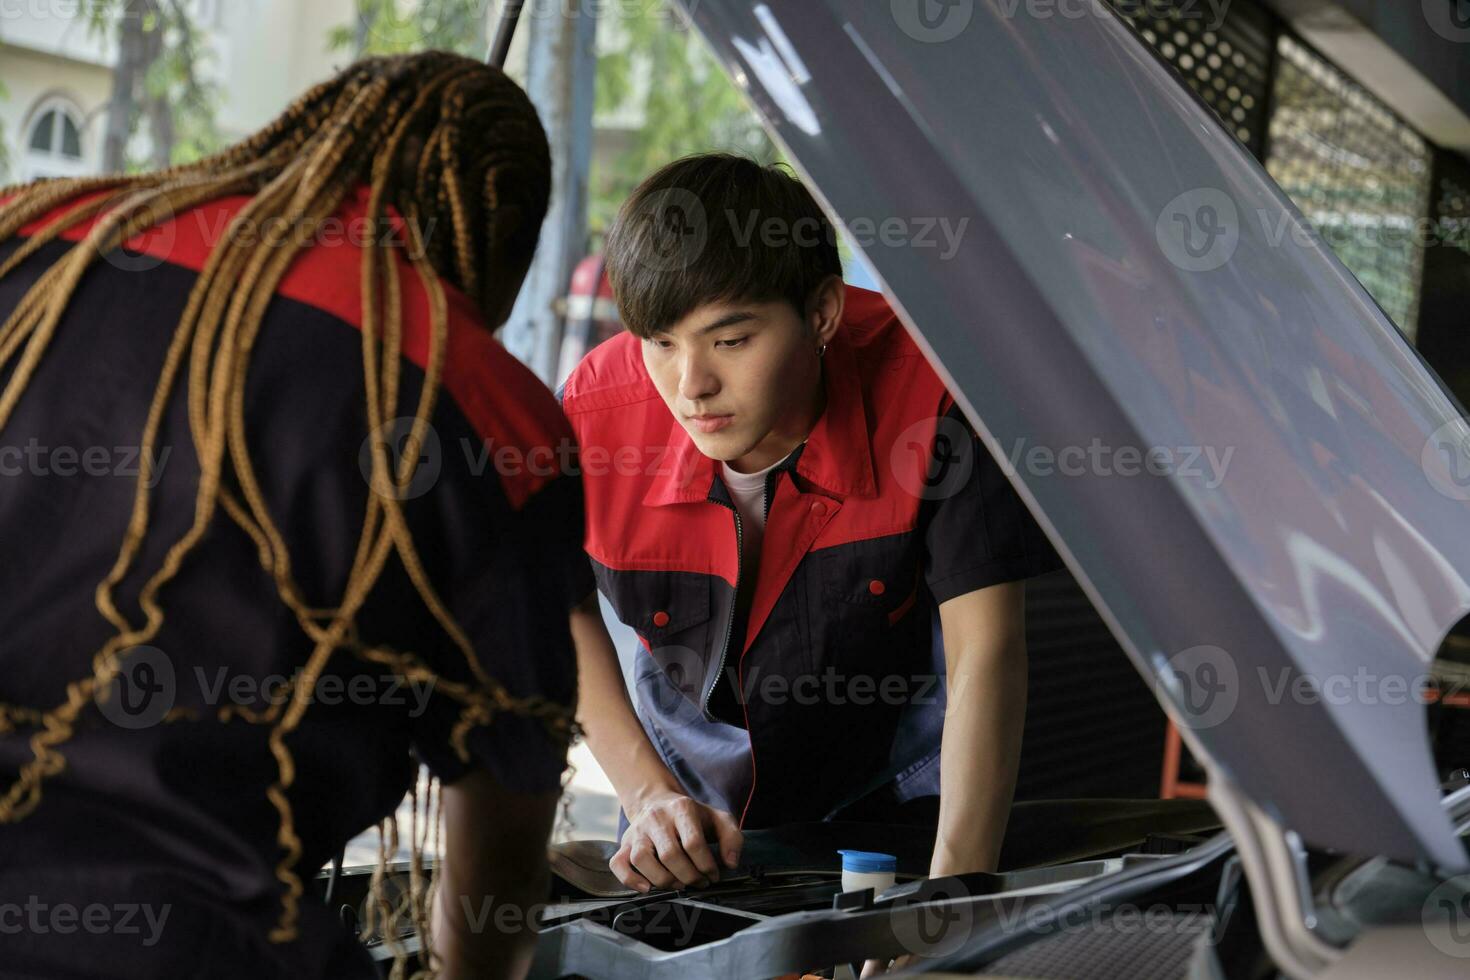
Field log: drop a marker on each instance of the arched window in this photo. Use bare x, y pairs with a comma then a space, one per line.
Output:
54, 146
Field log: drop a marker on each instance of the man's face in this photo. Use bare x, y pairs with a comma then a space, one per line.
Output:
750, 369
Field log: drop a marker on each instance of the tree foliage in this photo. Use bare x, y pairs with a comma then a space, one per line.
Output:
646, 55
4, 143
391, 27
176, 79
690, 107
159, 80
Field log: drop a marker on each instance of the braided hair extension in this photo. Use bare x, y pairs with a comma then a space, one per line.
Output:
444, 141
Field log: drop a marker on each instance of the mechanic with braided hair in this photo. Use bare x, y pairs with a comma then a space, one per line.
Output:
280, 519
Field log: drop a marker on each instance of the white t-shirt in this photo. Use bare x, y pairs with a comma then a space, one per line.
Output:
748, 492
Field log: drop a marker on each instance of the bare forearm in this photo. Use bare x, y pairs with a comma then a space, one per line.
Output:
669, 835
491, 878
606, 714
979, 760
481, 932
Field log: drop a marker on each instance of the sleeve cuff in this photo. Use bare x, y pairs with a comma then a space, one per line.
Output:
519, 752
993, 573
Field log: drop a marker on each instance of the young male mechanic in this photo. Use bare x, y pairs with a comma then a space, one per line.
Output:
788, 508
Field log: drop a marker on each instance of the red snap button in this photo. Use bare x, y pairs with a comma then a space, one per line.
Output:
876, 587
818, 507
660, 618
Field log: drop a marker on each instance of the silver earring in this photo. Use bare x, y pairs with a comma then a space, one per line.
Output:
822, 351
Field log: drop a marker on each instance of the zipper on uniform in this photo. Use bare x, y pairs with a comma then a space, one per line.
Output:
734, 601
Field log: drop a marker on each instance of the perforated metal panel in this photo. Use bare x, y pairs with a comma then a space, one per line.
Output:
1149, 943
1444, 311
1452, 217
1093, 728
1227, 62
1359, 174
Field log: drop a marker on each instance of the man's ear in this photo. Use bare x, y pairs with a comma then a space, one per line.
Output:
824, 309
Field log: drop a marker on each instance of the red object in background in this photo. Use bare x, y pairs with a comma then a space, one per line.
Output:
590, 315
1170, 785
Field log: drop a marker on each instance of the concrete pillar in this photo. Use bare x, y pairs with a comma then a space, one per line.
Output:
560, 67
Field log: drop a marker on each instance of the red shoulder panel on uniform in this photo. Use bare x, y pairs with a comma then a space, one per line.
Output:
502, 399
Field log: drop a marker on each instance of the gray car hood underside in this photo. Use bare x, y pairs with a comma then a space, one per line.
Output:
1127, 275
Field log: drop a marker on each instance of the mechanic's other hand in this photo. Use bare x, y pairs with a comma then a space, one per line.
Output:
667, 843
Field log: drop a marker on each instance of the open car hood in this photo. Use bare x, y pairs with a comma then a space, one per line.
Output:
1283, 604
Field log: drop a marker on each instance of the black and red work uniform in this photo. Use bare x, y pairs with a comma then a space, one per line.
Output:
162, 803
830, 695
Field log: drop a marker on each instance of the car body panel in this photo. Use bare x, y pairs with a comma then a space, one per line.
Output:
1130, 276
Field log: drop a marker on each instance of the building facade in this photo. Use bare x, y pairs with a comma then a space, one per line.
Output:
56, 72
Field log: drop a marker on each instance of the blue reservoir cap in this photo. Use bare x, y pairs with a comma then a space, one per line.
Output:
868, 861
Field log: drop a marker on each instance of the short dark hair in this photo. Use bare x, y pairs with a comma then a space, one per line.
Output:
716, 227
